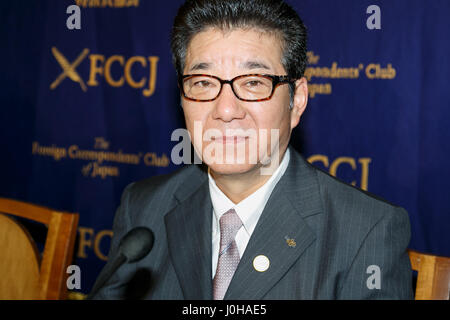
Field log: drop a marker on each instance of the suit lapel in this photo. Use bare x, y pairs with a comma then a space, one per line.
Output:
188, 228
295, 197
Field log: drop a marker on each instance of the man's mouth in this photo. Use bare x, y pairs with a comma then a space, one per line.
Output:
230, 139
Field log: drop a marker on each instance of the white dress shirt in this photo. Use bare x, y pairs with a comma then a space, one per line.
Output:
249, 210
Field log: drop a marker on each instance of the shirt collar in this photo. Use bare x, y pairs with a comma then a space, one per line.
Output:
250, 209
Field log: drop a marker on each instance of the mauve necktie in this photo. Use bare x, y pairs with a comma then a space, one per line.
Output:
228, 261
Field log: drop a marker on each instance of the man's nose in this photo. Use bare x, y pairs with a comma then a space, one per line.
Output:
227, 106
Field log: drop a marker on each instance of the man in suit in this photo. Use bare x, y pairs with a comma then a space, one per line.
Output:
261, 224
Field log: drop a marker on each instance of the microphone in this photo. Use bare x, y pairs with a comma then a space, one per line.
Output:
134, 246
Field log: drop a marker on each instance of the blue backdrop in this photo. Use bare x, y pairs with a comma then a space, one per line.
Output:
85, 112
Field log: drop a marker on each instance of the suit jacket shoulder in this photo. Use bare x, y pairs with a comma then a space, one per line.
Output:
350, 203
157, 192
363, 234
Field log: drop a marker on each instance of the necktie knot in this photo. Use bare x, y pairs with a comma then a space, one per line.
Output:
230, 223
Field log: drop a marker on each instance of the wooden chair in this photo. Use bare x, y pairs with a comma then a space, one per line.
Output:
24, 275
433, 279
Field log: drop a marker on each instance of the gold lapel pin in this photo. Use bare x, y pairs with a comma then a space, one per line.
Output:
290, 242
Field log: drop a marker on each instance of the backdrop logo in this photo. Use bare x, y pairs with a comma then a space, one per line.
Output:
324, 74
107, 3
117, 71
360, 166
101, 162
69, 70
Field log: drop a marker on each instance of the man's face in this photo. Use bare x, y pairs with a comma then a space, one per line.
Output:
227, 55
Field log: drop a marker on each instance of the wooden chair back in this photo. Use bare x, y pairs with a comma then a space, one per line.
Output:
24, 274
433, 276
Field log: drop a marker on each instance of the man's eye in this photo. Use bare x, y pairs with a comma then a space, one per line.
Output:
203, 84
253, 83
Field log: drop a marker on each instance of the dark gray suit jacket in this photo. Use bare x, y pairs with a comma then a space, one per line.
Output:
339, 232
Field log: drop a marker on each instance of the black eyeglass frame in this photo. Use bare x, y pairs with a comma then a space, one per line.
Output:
276, 81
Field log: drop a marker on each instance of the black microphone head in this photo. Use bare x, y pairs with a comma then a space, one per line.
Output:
137, 243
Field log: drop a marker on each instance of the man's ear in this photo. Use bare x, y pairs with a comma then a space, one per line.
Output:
300, 101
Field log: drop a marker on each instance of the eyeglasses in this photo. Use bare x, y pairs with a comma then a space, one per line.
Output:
247, 87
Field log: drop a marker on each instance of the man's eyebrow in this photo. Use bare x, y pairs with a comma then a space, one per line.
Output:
200, 66
246, 65
254, 65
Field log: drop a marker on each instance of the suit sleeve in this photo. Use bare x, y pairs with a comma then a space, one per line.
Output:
115, 286
381, 268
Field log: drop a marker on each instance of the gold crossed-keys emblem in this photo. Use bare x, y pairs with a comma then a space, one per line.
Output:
69, 70
290, 242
